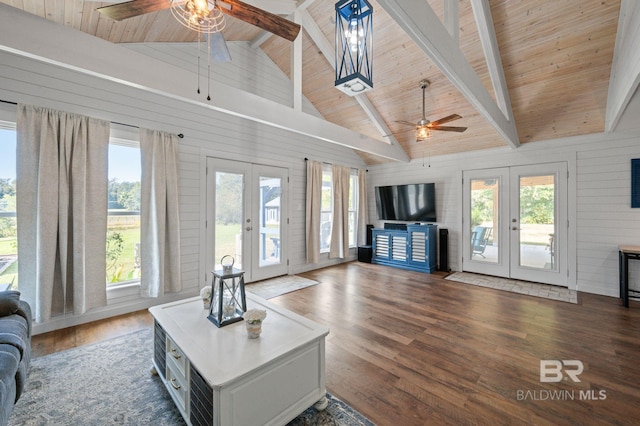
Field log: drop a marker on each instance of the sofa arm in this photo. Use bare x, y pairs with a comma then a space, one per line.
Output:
25, 312
9, 302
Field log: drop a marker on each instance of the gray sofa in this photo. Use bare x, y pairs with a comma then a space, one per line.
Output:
15, 350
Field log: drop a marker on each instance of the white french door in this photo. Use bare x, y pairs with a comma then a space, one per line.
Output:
515, 222
247, 217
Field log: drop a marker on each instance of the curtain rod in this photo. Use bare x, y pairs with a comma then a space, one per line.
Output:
331, 164
180, 135
323, 162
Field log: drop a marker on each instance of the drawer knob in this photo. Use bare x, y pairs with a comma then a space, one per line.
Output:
175, 386
175, 354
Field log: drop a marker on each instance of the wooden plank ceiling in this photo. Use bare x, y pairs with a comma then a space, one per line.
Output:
556, 57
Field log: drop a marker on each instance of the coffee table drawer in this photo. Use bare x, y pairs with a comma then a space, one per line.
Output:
177, 356
178, 386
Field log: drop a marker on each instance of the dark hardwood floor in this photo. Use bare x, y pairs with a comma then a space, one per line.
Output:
409, 348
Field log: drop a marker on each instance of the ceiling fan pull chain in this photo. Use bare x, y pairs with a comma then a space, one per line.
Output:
198, 64
209, 68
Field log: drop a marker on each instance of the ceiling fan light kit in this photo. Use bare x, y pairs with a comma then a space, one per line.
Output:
354, 46
422, 132
203, 16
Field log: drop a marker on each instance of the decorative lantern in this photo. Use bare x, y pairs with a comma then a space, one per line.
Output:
354, 46
228, 300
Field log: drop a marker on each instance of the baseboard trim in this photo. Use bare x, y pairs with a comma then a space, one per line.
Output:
97, 314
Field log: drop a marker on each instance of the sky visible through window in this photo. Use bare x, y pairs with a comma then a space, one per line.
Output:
7, 154
124, 162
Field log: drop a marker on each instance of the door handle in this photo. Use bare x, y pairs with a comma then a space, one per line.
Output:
515, 228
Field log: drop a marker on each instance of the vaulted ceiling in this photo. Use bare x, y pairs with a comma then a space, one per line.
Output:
551, 69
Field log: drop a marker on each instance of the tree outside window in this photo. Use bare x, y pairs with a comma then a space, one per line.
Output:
123, 224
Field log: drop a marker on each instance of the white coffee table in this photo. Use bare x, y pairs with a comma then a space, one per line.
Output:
218, 376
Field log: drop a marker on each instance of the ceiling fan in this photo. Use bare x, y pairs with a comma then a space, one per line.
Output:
424, 126
243, 11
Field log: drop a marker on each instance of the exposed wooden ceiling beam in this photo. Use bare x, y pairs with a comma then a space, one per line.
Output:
327, 49
452, 19
487, 32
625, 70
418, 20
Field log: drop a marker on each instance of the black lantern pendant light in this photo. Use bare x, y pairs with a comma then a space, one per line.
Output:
354, 46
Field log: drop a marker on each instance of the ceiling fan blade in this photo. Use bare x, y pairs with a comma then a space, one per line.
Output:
406, 123
219, 50
260, 18
243, 11
133, 8
446, 119
448, 128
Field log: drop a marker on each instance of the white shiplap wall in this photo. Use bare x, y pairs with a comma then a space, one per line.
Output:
250, 69
599, 199
207, 133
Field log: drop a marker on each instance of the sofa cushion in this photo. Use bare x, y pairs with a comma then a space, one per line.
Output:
9, 302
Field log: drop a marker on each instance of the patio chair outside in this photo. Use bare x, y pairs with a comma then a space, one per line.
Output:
480, 237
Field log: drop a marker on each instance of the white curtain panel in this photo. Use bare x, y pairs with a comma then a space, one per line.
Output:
340, 176
62, 210
313, 210
363, 207
159, 214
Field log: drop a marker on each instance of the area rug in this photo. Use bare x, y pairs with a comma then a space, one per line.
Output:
109, 383
545, 291
274, 287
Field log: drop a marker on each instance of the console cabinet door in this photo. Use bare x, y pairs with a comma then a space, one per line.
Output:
390, 247
381, 245
413, 249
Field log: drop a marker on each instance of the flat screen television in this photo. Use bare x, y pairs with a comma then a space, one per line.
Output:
411, 203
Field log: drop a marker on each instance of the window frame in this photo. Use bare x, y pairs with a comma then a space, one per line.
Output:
11, 126
326, 171
353, 208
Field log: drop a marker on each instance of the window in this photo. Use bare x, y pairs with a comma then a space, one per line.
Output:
123, 225
353, 208
326, 208
8, 223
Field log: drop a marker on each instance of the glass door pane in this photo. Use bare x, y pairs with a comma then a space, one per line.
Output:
269, 211
485, 200
485, 234
537, 222
229, 217
270, 230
